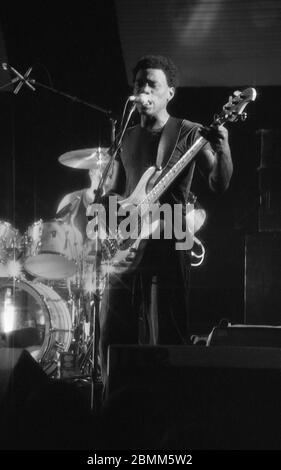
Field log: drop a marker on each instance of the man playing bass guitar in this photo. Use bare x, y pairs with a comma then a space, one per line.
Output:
148, 305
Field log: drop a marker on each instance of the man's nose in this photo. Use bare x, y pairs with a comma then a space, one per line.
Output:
145, 88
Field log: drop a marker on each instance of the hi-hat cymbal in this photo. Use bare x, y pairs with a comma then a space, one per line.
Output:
85, 158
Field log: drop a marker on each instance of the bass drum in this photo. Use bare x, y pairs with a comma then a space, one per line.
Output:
34, 317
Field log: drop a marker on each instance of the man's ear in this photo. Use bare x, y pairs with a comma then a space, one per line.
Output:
171, 93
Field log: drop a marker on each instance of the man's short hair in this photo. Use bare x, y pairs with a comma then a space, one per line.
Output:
158, 62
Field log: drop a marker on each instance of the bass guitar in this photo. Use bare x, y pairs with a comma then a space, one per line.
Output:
121, 245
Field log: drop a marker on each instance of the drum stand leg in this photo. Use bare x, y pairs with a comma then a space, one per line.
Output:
97, 385
89, 360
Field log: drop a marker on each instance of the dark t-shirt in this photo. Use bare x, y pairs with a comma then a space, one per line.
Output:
139, 152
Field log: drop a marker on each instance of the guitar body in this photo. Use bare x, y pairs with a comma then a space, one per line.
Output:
126, 253
143, 187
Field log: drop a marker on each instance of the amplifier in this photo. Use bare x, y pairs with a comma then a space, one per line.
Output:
133, 364
265, 336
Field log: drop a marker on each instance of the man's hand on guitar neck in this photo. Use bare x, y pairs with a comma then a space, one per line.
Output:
216, 161
218, 138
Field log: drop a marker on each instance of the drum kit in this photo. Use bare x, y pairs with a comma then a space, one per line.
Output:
50, 284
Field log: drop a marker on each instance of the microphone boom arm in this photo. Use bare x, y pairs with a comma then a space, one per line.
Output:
113, 151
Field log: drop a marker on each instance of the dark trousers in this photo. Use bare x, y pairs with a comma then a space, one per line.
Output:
152, 301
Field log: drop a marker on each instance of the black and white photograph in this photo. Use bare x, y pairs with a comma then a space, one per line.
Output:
140, 229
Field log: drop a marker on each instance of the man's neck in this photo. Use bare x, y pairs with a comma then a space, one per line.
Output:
154, 122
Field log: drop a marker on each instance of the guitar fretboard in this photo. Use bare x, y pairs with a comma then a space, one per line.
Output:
172, 174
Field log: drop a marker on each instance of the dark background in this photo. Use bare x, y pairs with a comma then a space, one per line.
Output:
77, 50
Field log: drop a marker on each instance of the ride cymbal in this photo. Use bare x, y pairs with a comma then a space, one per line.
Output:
85, 158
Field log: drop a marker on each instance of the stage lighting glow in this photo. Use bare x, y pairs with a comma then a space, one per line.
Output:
8, 314
14, 268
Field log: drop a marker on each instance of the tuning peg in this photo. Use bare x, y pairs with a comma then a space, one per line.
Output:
243, 116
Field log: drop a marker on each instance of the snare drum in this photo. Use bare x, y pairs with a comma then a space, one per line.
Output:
10, 242
33, 316
52, 249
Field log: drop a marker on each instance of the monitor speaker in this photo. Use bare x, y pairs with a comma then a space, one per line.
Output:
19, 373
20, 377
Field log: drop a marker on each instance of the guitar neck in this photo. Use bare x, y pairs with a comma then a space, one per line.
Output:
165, 182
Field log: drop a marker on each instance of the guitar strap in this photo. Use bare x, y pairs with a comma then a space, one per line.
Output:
167, 145
168, 141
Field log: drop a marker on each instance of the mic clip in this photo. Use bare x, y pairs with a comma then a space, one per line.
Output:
22, 79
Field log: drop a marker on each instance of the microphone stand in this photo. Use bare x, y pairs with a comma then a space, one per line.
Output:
32, 84
72, 98
113, 151
115, 146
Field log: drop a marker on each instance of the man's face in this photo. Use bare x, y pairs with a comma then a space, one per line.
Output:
153, 83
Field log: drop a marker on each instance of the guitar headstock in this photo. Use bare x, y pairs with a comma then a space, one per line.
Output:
234, 108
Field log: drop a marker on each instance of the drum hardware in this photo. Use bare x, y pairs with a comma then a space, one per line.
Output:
85, 358
52, 330
68, 365
59, 346
10, 243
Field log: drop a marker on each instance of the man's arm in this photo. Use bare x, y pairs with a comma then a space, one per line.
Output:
215, 160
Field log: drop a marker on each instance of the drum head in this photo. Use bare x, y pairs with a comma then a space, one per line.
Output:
50, 266
34, 317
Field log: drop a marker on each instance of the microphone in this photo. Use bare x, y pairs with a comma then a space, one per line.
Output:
141, 98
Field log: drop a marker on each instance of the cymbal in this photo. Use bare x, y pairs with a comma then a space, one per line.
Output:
85, 158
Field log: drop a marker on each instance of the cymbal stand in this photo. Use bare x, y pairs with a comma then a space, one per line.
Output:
90, 358
97, 386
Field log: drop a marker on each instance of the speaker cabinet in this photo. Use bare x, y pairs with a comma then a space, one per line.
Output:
195, 397
269, 149
262, 287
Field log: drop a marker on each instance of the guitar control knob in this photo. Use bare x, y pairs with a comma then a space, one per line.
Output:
243, 116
